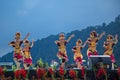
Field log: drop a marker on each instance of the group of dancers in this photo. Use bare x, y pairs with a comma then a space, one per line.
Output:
92, 44
22, 54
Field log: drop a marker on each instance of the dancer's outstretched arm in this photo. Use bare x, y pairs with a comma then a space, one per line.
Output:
101, 35
12, 43
32, 43
70, 37
56, 42
116, 39
73, 49
84, 44
26, 36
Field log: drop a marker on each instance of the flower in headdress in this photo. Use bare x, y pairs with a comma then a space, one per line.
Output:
72, 74
61, 35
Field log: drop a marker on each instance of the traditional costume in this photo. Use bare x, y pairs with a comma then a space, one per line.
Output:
77, 52
108, 45
62, 55
17, 55
92, 43
27, 60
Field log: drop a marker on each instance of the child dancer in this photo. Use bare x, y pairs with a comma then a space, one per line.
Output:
77, 53
62, 55
108, 45
17, 56
27, 59
92, 42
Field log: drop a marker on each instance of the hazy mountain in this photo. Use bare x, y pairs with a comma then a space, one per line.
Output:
47, 49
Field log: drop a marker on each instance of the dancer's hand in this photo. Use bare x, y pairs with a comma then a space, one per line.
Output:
116, 36
33, 40
72, 35
32, 43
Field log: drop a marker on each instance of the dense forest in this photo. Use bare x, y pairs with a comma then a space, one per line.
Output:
47, 49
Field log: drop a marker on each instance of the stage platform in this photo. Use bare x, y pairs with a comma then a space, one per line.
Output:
89, 75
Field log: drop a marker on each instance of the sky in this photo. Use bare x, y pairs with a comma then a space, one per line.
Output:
42, 18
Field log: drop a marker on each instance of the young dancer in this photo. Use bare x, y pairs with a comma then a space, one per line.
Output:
92, 43
108, 45
77, 53
62, 55
27, 59
17, 56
